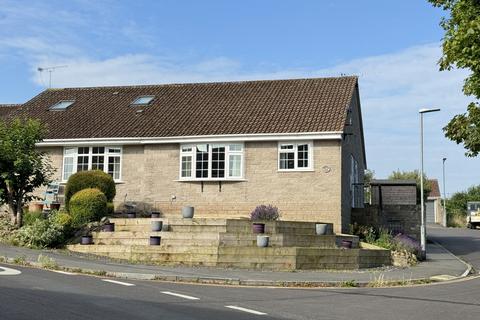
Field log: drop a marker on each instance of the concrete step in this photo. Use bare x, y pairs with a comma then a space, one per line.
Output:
278, 240
271, 227
144, 249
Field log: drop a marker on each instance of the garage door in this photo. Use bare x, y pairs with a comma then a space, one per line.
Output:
430, 211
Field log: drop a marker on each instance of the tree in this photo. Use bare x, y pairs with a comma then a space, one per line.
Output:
461, 49
457, 204
23, 168
413, 175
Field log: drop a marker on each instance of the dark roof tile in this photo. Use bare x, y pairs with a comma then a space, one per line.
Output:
7, 109
197, 109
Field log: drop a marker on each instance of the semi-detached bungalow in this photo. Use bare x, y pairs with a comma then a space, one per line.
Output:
223, 148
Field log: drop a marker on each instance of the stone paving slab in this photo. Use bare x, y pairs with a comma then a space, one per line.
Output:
440, 265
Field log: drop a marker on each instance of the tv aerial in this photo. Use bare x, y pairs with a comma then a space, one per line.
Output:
50, 70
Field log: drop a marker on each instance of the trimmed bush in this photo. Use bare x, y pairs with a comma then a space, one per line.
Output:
110, 209
87, 205
90, 179
31, 216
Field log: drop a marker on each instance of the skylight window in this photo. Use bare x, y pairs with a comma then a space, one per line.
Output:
62, 105
142, 100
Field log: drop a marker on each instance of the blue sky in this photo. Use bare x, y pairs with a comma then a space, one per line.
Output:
393, 46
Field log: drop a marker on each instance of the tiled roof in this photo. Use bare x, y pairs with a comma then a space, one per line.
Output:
250, 107
435, 193
7, 109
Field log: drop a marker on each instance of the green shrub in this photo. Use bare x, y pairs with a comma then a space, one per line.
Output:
31, 216
63, 219
89, 179
110, 209
43, 233
7, 228
385, 240
87, 205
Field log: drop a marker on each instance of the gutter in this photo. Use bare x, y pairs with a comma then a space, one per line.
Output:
333, 135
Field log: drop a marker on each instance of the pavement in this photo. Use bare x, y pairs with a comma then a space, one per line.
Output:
441, 265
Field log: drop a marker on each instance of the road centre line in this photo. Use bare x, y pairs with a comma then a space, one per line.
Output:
246, 310
180, 295
119, 282
64, 272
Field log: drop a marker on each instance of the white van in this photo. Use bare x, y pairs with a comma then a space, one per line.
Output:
473, 214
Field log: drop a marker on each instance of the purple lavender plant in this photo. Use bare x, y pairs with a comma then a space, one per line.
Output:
265, 213
409, 243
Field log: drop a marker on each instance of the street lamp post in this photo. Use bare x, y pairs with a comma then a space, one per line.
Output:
444, 196
423, 227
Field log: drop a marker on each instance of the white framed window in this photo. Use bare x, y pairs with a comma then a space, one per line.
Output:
216, 161
106, 159
295, 156
68, 162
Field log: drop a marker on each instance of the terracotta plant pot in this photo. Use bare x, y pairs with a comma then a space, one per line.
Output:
155, 214
86, 240
36, 206
155, 241
131, 215
109, 227
157, 225
187, 212
258, 227
262, 241
321, 228
55, 206
346, 244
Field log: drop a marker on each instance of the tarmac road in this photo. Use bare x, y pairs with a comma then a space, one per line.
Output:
41, 294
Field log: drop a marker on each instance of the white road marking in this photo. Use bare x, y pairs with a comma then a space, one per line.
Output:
246, 310
4, 271
180, 295
119, 282
64, 272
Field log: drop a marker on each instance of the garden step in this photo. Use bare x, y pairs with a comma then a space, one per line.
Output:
278, 240
143, 249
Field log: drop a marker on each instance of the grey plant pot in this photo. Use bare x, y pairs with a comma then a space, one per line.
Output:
187, 212
86, 240
155, 240
109, 227
262, 241
321, 228
157, 225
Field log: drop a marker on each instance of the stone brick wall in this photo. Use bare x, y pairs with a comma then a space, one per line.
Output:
351, 146
396, 218
150, 177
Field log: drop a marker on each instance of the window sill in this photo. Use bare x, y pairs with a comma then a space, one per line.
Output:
295, 170
211, 180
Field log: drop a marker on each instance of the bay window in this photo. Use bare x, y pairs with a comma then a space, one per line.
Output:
206, 161
106, 159
295, 156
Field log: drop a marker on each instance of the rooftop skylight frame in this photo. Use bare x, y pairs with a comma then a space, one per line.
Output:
143, 100
61, 105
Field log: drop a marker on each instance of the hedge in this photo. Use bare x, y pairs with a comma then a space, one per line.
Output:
87, 205
90, 179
